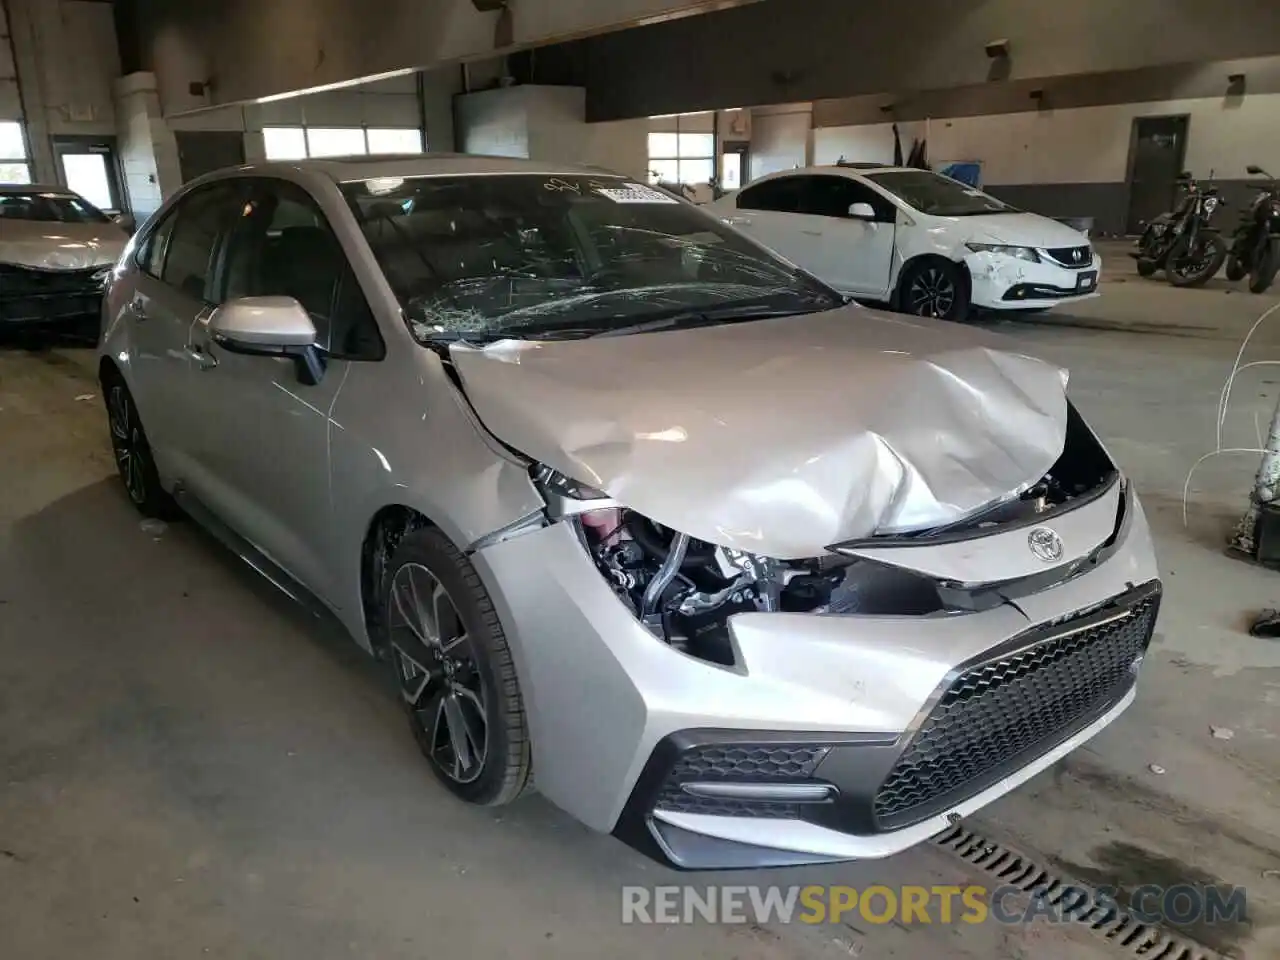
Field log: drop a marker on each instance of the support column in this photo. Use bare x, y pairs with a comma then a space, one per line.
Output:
148, 149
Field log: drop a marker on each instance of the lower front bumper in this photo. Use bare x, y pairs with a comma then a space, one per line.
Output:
1007, 283
37, 311
729, 798
695, 841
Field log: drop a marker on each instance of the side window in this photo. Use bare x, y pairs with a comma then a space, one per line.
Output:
199, 221
150, 255
781, 195
282, 245
833, 196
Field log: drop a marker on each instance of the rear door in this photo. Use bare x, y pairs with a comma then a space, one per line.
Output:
770, 212
263, 454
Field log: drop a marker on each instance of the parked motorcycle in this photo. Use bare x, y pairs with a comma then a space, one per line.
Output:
1184, 243
1255, 246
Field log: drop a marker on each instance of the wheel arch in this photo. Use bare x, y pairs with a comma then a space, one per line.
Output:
385, 529
921, 258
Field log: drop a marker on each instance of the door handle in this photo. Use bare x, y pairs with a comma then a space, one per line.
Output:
812, 233
737, 221
138, 307
202, 360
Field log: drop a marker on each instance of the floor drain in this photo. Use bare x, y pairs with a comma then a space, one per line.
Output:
1114, 924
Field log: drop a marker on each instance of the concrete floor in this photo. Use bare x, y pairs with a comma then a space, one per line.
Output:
190, 766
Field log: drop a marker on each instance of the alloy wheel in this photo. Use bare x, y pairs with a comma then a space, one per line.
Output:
932, 293
439, 677
128, 444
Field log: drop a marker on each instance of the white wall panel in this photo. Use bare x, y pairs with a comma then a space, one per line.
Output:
1087, 145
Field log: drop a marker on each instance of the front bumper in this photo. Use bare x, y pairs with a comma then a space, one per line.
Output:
33, 297
839, 701
1006, 283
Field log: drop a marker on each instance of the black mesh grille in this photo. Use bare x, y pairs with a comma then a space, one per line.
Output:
47, 294
739, 763
1076, 257
998, 712
20, 282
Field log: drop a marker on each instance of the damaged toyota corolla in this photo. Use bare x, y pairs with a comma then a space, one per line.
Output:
743, 573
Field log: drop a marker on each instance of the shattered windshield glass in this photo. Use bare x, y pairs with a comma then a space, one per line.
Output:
523, 256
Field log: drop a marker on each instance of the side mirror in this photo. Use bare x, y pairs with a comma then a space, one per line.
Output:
269, 327
862, 211
125, 222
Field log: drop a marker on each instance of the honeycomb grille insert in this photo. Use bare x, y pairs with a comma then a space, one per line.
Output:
739, 763
1000, 711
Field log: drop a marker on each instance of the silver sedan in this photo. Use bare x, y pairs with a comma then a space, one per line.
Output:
747, 574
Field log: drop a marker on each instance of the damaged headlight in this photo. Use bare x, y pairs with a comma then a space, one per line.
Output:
1018, 253
102, 277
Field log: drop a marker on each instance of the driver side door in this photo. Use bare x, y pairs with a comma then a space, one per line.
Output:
264, 450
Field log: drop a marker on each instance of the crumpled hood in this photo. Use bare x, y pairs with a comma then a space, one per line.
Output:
60, 246
781, 437
1022, 230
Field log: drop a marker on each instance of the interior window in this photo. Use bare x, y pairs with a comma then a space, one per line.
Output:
282, 245
198, 221
781, 195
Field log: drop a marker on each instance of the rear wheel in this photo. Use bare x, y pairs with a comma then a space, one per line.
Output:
1190, 266
456, 675
134, 462
934, 288
1264, 269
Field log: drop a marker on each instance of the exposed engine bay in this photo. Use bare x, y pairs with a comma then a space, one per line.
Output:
684, 590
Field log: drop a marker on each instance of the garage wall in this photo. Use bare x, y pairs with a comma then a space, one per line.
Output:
1075, 162
67, 64
780, 138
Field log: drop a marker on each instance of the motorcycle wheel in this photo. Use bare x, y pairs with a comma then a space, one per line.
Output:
1146, 267
1188, 268
1265, 265
1235, 269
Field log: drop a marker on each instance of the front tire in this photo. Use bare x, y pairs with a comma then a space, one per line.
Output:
934, 288
134, 461
454, 668
1188, 268
1265, 265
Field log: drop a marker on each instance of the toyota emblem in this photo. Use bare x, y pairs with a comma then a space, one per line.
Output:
1045, 544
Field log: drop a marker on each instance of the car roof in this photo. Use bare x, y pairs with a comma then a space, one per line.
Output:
36, 188
845, 169
346, 169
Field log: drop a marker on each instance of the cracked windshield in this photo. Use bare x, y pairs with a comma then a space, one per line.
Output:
481, 258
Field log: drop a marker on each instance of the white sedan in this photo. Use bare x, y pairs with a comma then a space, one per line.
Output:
927, 244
